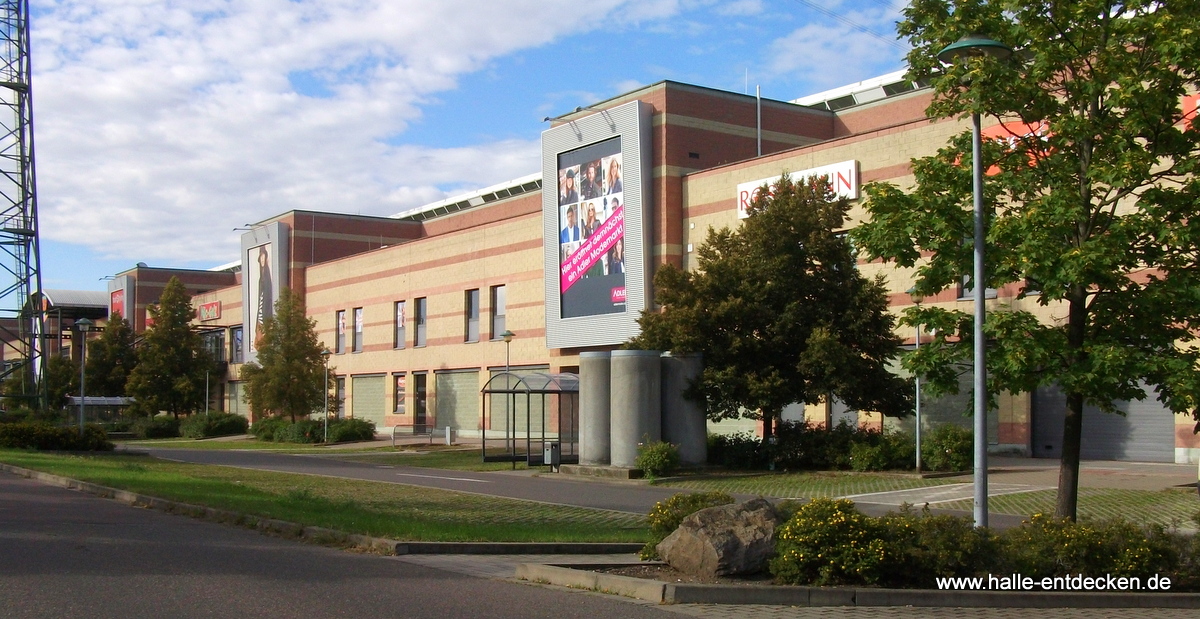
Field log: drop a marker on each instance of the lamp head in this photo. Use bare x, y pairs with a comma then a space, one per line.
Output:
84, 325
508, 336
974, 45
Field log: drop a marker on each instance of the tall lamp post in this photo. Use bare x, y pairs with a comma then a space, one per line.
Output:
325, 388
83, 325
917, 382
508, 337
976, 46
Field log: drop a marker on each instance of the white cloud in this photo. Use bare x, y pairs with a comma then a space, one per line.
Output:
162, 125
826, 52
740, 8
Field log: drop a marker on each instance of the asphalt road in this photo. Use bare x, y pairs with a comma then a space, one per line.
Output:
69, 554
563, 490
632, 498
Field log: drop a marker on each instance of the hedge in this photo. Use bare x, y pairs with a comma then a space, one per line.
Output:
44, 436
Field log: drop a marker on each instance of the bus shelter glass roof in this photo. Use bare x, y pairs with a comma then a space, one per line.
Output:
533, 382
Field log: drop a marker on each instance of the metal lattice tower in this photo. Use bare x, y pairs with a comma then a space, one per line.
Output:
22, 324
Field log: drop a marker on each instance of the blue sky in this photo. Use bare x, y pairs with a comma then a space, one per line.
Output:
161, 126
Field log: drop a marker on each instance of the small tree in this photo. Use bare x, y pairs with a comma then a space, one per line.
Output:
780, 313
62, 380
289, 376
111, 358
1094, 212
171, 365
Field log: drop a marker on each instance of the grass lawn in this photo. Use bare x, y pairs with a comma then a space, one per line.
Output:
370, 508
809, 484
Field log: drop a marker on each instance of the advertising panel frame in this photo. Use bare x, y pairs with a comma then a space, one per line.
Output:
630, 123
274, 237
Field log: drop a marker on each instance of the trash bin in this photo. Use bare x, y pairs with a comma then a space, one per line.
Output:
552, 455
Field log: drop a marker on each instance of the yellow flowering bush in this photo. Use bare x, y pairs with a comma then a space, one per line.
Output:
829, 542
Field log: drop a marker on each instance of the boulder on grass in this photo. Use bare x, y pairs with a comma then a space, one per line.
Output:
725, 540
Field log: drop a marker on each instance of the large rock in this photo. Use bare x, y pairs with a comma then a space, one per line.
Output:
723, 540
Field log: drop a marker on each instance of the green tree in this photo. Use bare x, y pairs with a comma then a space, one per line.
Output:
62, 380
111, 358
289, 375
1094, 213
171, 362
780, 312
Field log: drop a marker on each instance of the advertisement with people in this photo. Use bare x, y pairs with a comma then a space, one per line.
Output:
261, 288
591, 230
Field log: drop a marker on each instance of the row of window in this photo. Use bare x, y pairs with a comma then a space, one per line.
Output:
214, 341
420, 321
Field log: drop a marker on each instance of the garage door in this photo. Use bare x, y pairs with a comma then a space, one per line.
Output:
457, 399
1145, 433
367, 398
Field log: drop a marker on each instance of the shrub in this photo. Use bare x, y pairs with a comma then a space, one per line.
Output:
156, 427
44, 436
829, 542
657, 459
303, 431
736, 451
265, 429
894, 451
666, 516
1045, 546
948, 448
28, 415
927, 547
344, 430
213, 424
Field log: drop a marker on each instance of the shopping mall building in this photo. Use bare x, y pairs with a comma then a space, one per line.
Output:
413, 305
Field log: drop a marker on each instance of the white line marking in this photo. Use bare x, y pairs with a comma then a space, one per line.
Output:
478, 481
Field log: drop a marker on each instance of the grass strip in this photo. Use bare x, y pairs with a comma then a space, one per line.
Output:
807, 485
1167, 507
406, 513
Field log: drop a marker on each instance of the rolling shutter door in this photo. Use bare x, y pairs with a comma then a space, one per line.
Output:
1146, 433
367, 398
457, 399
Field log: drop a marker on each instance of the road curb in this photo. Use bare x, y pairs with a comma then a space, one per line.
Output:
581, 577
322, 535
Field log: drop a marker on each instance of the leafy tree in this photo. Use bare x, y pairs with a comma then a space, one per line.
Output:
62, 380
289, 376
171, 362
111, 358
780, 313
1094, 213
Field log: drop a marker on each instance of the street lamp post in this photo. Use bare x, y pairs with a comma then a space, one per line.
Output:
508, 337
325, 388
83, 325
975, 46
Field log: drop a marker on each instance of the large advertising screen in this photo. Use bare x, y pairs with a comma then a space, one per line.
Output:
264, 274
596, 242
591, 223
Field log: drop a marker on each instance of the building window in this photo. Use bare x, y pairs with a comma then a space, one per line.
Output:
237, 353
357, 338
214, 345
471, 303
399, 381
400, 336
499, 305
339, 399
965, 291
340, 336
419, 319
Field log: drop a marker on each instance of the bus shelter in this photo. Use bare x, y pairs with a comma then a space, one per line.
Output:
529, 415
